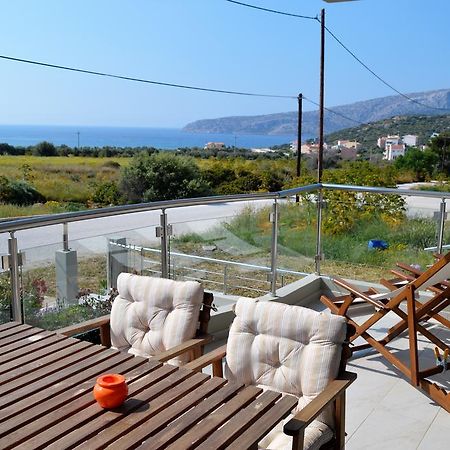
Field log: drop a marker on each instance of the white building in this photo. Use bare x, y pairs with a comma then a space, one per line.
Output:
393, 151
410, 140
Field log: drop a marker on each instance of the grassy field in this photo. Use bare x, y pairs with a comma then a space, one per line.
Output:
65, 182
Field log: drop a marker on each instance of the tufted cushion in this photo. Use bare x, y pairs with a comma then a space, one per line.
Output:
286, 348
151, 315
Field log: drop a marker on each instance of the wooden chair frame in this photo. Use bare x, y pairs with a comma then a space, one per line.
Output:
411, 320
334, 393
194, 345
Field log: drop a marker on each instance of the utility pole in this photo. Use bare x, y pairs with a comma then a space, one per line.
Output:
322, 95
78, 140
299, 138
299, 133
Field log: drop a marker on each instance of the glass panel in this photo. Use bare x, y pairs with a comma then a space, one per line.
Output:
365, 235
5, 297
61, 288
297, 237
225, 246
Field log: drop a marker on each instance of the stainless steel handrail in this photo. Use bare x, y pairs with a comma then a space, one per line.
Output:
55, 219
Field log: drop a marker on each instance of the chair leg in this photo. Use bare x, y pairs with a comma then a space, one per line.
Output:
340, 421
298, 440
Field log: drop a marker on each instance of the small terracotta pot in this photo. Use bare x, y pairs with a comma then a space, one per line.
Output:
111, 390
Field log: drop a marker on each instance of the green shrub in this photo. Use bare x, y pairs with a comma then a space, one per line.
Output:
18, 192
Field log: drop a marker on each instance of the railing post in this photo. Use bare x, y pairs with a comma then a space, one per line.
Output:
65, 237
16, 303
442, 218
225, 278
274, 250
318, 256
164, 245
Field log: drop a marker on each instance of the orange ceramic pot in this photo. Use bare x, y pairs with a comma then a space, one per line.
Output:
111, 390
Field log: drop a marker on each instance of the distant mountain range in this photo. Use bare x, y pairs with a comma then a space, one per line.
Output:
364, 111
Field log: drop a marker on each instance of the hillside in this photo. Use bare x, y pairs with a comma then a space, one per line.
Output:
367, 135
364, 111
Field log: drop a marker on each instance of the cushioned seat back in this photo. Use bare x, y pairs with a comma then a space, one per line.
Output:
151, 315
286, 348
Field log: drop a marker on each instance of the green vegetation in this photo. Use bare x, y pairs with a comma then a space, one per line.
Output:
367, 134
162, 176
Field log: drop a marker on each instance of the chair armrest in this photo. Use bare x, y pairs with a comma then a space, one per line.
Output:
304, 417
82, 327
191, 344
210, 358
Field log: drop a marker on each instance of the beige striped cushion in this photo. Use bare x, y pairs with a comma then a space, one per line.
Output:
287, 348
151, 315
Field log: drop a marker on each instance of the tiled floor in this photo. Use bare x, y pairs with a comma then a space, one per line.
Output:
384, 411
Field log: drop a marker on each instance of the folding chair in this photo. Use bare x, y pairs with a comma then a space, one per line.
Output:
412, 319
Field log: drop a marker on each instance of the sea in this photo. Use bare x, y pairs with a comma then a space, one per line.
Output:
162, 138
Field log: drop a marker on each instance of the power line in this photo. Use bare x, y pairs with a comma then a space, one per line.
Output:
140, 80
298, 16
334, 112
345, 48
378, 77
161, 83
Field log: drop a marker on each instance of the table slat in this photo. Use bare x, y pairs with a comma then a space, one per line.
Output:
61, 382
47, 428
8, 325
45, 377
143, 428
153, 395
39, 350
209, 424
23, 344
25, 373
262, 426
178, 427
11, 331
240, 421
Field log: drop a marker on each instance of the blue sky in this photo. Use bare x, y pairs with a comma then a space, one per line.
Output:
209, 43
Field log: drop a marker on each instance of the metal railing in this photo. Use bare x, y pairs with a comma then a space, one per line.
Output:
12, 226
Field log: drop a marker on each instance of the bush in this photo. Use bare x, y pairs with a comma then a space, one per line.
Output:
162, 176
18, 192
106, 194
44, 149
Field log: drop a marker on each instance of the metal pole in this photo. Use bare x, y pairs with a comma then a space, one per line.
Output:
65, 237
164, 246
299, 138
322, 96
274, 249
442, 216
225, 279
16, 303
318, 256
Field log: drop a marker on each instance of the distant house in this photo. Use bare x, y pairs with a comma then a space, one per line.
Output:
348, 144
410, 140
214, 146
393, 151
263, 150
384, 141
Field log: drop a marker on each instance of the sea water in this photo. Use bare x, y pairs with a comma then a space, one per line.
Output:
164, 138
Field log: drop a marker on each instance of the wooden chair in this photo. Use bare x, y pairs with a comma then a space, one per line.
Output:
296, 351
413, 318
154, 317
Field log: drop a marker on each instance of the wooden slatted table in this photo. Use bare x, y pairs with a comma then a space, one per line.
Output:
46, 400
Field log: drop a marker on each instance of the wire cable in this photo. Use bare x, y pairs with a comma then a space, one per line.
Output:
334, 112
378, 77
345, 48
298, 16
140, 80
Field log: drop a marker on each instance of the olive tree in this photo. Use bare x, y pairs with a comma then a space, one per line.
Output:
161, 176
